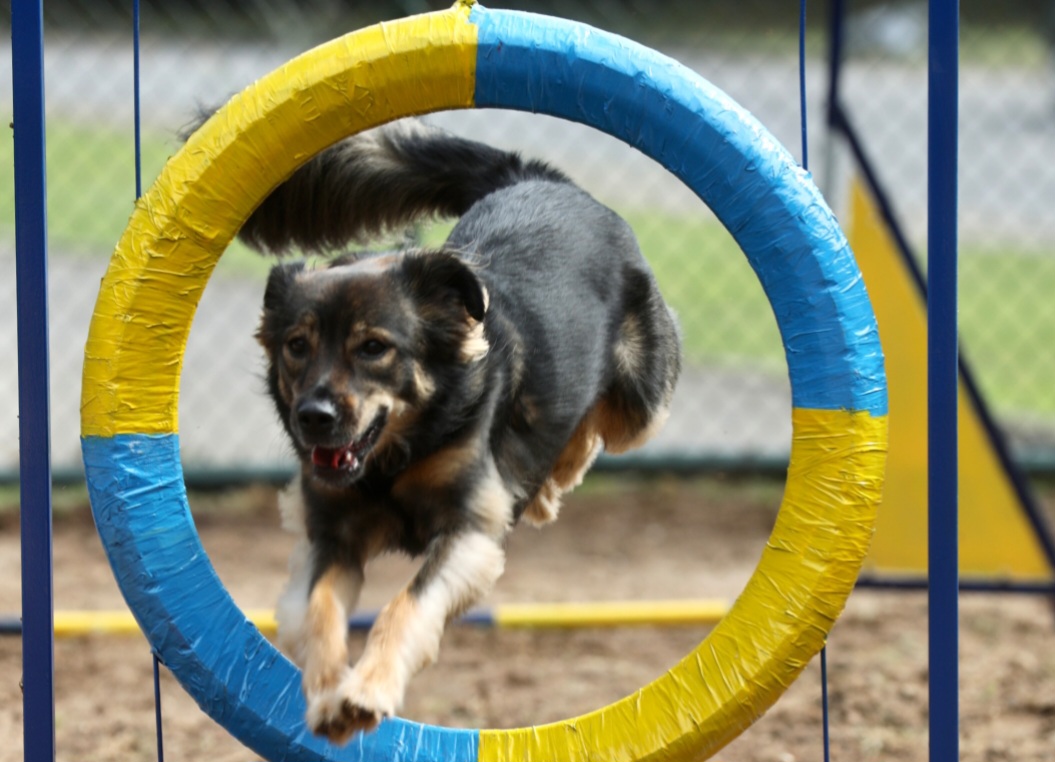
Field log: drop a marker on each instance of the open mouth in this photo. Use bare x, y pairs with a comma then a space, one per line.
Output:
348, 459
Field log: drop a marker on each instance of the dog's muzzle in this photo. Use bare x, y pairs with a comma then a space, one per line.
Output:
319, 422
317, 419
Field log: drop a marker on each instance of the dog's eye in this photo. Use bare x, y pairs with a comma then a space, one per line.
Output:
297, 346
372, 349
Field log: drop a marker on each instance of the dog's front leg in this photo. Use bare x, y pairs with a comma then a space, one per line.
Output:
458, 570
313, 629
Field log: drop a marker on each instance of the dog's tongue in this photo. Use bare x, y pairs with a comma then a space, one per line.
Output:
340, 459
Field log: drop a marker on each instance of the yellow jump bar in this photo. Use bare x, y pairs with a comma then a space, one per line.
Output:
70, 624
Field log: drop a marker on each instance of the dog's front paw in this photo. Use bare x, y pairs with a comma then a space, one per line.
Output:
355, 705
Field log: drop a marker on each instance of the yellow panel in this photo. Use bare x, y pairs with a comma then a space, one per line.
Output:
777, 625
996, 539
184, 222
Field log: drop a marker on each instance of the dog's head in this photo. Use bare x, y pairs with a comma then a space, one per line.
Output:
357, 351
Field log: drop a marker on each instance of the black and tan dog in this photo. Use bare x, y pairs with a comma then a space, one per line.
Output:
435, 397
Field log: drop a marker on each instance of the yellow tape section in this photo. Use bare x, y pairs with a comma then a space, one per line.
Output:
777, 625
184, 222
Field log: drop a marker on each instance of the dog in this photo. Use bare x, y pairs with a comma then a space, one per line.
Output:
436, 397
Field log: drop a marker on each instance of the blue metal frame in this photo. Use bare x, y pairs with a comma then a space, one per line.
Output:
944, 365
943, 379
38, 656
34, 409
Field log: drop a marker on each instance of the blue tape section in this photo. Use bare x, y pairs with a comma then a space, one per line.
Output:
753, 185
479, 618
238, 678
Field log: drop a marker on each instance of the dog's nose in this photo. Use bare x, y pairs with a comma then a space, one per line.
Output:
316, 417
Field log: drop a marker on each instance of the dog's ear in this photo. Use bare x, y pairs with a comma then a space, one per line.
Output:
279, 282
442, 275
276, 300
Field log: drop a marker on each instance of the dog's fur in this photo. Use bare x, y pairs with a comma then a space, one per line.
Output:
435, 397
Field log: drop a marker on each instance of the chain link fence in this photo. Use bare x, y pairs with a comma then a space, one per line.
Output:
732, 408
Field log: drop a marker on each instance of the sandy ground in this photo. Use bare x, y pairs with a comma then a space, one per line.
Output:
615, 540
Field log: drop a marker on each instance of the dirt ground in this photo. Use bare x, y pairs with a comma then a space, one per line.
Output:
616, 539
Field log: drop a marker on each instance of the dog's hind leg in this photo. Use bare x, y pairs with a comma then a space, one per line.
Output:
630, 414
647, 360
623, 431
567, 474
291, 611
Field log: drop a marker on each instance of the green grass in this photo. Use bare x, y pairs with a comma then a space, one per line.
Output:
1007, 318
725, 316
91, 182
91, 190
1007, 324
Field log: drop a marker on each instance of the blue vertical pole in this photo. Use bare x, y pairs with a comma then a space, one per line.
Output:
138, 147
942, 350
136, 103
802, 85
38, 653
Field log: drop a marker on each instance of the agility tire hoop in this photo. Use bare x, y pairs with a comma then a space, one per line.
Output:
467, 57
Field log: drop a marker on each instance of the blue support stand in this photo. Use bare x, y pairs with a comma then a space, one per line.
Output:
942, 360
38, 656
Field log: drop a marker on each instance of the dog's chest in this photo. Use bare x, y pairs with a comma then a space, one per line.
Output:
373, 521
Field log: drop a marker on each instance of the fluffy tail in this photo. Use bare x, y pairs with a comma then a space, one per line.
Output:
382, 181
